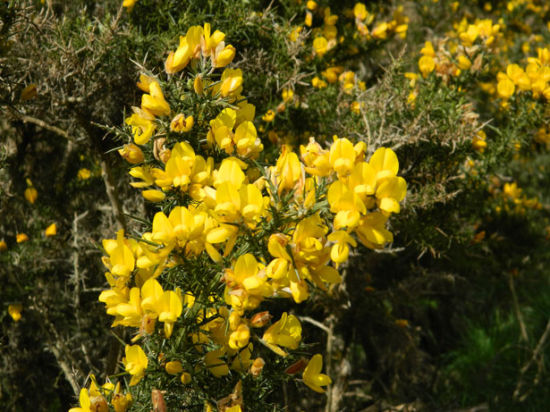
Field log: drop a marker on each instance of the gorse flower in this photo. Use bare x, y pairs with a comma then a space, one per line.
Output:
312, 375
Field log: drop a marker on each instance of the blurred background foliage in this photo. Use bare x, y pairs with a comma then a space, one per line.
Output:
454, 315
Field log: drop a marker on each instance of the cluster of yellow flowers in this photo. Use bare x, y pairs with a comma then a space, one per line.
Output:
511, 198
461, 51
97, 398
304, 209
363, 18
326, 36
533, 78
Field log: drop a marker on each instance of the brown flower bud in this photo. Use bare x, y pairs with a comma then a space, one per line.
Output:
260, 319
257, 367
157, 398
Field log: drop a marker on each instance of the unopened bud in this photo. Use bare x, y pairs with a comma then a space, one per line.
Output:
198, 84
174, 367
157, 400
260, 319
296, 367
257, 367
131, 153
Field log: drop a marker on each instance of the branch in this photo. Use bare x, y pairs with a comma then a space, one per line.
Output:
39, 122
516, 308
526, 367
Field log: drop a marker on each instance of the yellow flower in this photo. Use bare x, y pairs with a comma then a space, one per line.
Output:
189, 47
428, 49
121, 402
311, 5
389, 193
246, 284
84, 174
239, 338
198, 84
30, 192
181, 124
246, 140
384, 163
309, 19
84, 400
21, 237
288, 170
223, 55
15, 311
179, 167
318, 83
372, 232
505, 86
464, 63
129, 4
51, 230
315, 158
142, 127
312, 375
340, 251
479, 141
144, 82
154, 103
268, 116
426, 64
257, 367
169, 309
320, 46
135, 363
380, 31
342, 156
3, 245
360, 11
288, 95
231, 83
286, 332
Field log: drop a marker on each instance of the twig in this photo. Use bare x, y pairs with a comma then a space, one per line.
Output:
516, 308
526, 367
314, 322
29, 119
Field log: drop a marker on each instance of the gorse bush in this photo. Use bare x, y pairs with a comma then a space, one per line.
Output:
234, 228
274, 205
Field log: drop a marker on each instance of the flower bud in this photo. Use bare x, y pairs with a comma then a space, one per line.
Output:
29, 92
296, 367
174, 367
131, 153
198, 84
185, 378
157, 399
153, 195
257, 367
260, 319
